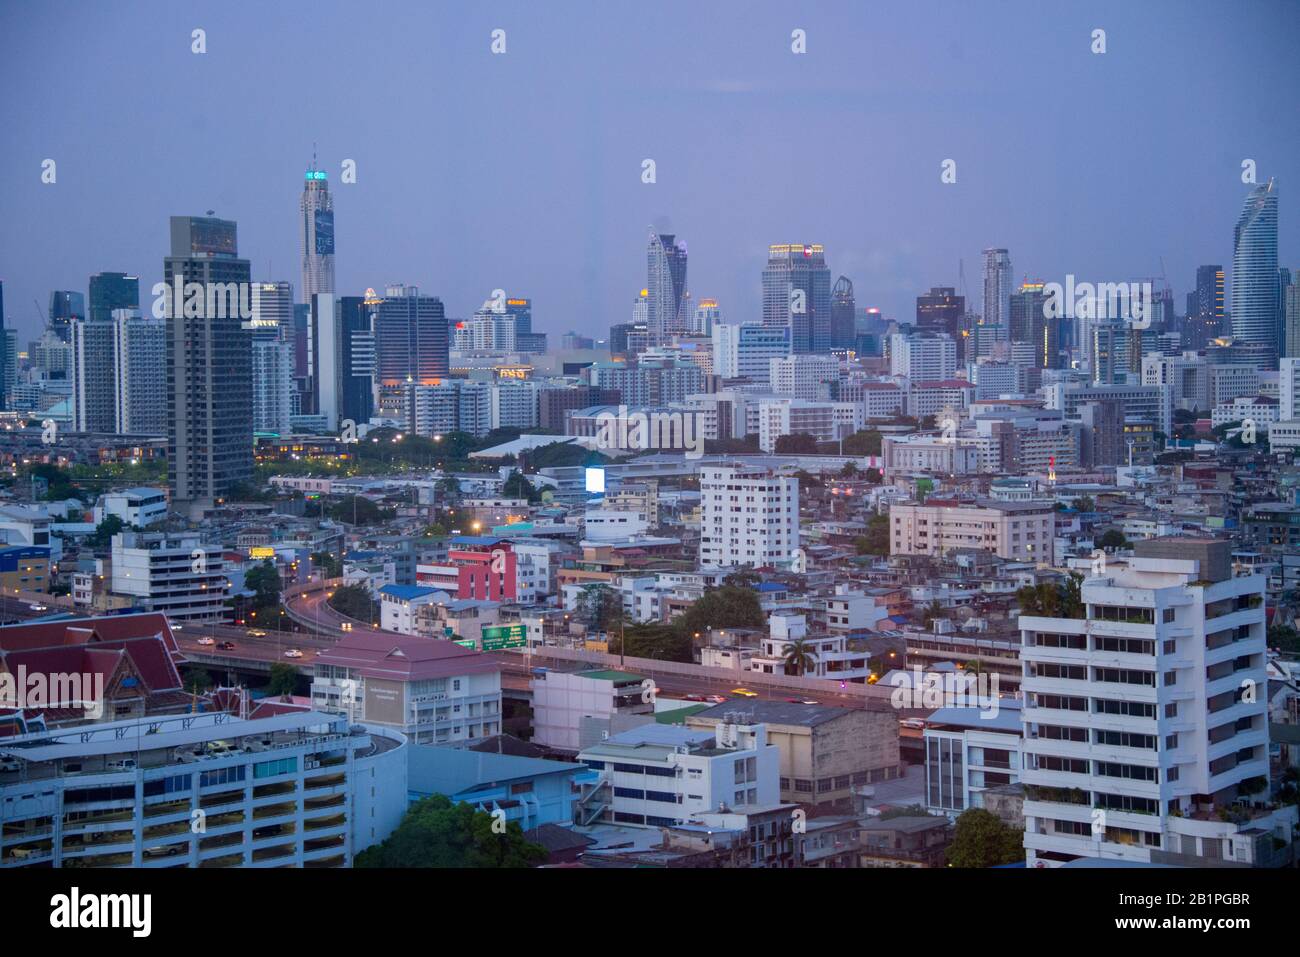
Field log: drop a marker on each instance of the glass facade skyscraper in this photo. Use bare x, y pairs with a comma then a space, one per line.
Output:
665, 287
1254, 272
797, 295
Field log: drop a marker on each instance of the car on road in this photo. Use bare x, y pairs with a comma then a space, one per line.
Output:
205, 640
257, 632
37, 606
293, 653
802, 701
716, 698
744, 693
8, 764
226, 646
694, 697
916, 724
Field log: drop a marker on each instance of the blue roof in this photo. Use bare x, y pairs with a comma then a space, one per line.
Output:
452, 771
772, 586
476, 539
407, 592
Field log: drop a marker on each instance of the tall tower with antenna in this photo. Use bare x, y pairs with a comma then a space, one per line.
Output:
316, 233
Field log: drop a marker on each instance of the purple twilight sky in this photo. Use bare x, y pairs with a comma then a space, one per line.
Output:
523, 170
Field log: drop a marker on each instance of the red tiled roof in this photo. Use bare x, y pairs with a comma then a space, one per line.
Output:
406, 659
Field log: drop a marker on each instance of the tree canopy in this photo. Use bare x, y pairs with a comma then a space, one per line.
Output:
437, 833
982, 840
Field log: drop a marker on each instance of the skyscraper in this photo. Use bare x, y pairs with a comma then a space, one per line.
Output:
1254, 271
942, 310
411, 338
272, 350
112, 290
1028, 322
843, 307
357, 357
140, 370
94, 387
65, 306
316, 233
5, 359
665, 287
209, 361
997, 289
797, 295
1291, 309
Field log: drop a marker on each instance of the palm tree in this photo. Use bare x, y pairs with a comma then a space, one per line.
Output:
934, 611
799, 657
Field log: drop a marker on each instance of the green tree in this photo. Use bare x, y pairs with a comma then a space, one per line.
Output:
980, 839
195, 679
725, 607
102, 536
354, 601
516, 486
798, 443
264, 580
653, 640
329, 564
799, 657
866, 442
437, 833
284, 679
599, 607
876, 540
1112, 539
357, 510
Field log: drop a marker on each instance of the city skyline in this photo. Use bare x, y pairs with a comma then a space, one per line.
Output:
431, 208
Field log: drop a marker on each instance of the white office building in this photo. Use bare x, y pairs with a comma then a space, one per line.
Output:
180, 576
924, 356
746, 349
660, 775
804, 376
748, 516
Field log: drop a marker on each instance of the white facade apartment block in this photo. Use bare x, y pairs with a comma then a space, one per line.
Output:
803, 376
746, 349
514, 405
927, 357
1138, 722
1018, 531
1288, 389
289, 790
748, 516
140, 367
272, 386
180, 576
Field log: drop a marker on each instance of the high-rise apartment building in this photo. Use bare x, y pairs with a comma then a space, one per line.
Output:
746, 349
209, 361
94, 389
748, 516
1145, 719
140, 373
923, 356
997, 289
